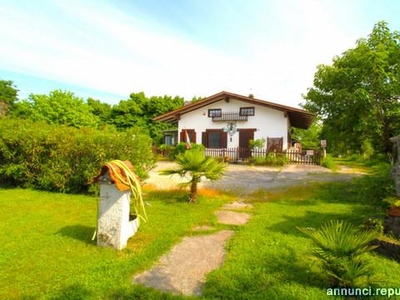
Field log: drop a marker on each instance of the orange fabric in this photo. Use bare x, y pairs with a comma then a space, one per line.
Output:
115, 169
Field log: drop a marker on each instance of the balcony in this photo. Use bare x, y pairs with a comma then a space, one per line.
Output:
229, 116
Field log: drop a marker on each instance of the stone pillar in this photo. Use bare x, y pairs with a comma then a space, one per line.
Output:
395, 172
392, 223
114, 226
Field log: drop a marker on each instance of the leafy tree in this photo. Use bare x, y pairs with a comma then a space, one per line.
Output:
59, 107
8, 96
129, 113
100, 109
196, 98
309, 138
197, 165
139, 111
358, 96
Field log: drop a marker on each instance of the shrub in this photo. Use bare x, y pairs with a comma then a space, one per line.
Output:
181, 148
376, 186
271, 159
65, 159
339, 248
328, 162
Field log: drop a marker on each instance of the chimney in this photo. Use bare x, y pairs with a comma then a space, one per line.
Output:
251, 96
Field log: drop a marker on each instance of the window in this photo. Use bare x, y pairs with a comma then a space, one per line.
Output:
169, 140
214, 140
246, 111
214, 112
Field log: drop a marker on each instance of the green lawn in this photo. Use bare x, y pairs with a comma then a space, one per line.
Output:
47, 250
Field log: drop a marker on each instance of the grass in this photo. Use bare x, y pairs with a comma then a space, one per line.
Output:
267, 258
47, 251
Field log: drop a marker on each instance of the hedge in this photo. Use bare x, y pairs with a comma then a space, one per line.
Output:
65, 159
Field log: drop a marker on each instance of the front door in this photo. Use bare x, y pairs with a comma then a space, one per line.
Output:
245, 135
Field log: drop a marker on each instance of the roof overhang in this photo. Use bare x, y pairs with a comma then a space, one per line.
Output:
298, 118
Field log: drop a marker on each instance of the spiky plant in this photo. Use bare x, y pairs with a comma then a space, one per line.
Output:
339, 248
197, 165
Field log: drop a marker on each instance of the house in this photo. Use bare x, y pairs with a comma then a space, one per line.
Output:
226, 120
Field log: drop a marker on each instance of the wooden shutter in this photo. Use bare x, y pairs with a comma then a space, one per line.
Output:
204, 139
224, 139
275, 144
191, 134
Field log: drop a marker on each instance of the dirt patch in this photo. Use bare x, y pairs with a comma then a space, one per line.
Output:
183, 270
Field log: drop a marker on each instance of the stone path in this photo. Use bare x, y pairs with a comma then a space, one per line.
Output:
184, 269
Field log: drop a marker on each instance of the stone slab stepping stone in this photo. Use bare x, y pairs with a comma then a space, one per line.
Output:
237, 205
232, 217
183, 270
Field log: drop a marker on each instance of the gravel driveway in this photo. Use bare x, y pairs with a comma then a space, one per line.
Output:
246, 179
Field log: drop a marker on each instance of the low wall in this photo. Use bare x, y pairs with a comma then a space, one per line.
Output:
387, 248
392, 226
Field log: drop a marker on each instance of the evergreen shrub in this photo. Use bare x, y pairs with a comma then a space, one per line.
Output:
65, 159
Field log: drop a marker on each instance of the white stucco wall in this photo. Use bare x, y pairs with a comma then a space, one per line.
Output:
268, 122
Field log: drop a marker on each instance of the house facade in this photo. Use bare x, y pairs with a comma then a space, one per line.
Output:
227, 120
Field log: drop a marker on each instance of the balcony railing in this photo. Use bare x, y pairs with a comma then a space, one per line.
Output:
229, 116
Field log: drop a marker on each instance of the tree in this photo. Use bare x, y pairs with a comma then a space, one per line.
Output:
102, 110
139, 111
309, 138
197, 165
358, 96
8, 96
59, 107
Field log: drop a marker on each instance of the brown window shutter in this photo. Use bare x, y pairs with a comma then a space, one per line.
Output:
224, 139
204, 139
192, 135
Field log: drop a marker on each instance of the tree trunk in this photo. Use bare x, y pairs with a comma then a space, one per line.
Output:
193, 191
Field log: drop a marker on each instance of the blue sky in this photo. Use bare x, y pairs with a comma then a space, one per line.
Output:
109, 49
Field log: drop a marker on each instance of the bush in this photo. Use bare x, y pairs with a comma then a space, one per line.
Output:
271, 159
328, 162
376, 186
65, 159
181, 148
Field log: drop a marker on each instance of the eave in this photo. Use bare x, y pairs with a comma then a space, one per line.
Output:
298, 118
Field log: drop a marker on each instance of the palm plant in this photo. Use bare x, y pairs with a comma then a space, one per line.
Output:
197, 165
339, 249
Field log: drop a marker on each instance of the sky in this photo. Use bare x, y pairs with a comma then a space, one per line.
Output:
108, 49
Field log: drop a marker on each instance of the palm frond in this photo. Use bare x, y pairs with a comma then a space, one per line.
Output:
339, 247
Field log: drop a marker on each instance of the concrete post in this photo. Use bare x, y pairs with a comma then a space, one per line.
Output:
395, 172
114, 226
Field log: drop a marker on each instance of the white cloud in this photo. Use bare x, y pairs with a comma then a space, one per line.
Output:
271, 51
